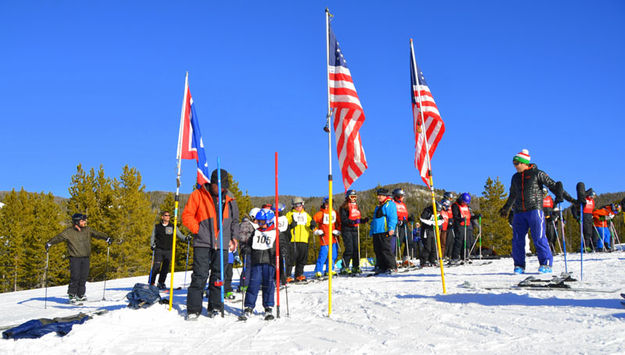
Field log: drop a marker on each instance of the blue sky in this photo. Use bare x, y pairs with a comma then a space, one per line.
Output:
101, 83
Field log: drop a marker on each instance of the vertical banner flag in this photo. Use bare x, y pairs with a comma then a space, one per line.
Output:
427, 123
190, 145
348, 114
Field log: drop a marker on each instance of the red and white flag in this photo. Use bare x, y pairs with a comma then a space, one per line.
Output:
427, 123
348, 115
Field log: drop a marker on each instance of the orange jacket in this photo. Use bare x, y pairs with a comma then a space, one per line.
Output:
599, 216
200, 217
323, 223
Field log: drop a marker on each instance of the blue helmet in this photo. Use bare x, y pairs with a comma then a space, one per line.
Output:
350, 193
325, 201
466, 198
265, 215
281, 207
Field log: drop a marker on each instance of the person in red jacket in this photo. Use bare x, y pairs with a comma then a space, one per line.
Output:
447, 232
349, 215
550, 226
201, 217
322, 220
402, 234
601, 217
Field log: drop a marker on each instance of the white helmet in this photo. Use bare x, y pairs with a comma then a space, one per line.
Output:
253, 212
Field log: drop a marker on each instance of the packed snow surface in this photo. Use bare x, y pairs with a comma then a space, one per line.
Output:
403, 313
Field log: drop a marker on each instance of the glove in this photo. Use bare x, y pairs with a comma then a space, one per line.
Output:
237, 260
411, 218
478, 215
318, 232
188, 238
152, 247
357, 221
48, 245
503, 212
109, 241
293, 224
336, 232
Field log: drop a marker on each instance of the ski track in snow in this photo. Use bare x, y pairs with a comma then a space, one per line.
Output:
405, 312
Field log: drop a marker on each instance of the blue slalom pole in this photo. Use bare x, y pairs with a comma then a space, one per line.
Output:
581, 231
566, 269
221, 236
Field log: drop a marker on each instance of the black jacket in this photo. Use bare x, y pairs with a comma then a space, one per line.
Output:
262, 247
526, 190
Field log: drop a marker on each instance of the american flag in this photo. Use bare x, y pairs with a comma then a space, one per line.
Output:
427, 122
348, 115
190, 145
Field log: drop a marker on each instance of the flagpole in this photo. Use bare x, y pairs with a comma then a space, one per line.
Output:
427, 154
277, 241
328, 117
177, 197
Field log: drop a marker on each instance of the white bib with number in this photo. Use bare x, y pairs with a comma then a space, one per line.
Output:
283, 223
326, 220
263, 240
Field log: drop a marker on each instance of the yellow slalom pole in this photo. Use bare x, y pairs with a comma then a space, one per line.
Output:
438, 235
173, 254
330, 247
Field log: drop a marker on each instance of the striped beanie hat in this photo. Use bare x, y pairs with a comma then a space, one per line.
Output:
522, 157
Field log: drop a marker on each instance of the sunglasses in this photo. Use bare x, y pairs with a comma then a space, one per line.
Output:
516, 163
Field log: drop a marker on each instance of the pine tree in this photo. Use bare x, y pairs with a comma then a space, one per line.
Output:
496, 233
243, 201
17, 220
131, 225
181, 247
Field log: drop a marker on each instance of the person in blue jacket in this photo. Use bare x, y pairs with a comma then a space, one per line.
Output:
382, 229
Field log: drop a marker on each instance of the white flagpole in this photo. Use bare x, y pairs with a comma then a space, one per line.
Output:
429, 165
177, 197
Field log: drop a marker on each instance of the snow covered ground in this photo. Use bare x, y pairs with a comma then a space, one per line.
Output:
403, 313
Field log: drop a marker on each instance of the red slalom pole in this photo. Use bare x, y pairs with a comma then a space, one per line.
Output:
277, 245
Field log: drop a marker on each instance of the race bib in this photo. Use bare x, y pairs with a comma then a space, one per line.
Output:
283, 223
263, 240
300, 218
326, 219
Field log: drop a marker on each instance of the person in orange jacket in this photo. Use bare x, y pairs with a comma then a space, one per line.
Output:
201, 217
600, 217
322, 220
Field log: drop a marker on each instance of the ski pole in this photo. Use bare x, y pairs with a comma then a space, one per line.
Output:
555, 230
186, 265
480, 224
358, 241
581, 251
464, 248
106, 270
286, 291
221, 238
151, 267
406, 246
45, 282
566, 269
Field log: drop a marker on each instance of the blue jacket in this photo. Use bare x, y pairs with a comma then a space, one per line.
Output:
384, 218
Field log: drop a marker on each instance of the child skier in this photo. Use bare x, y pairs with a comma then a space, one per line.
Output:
262, 250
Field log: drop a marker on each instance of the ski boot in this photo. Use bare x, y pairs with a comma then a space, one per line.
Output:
161, 286
345, 271
318, 275
213, 313
356, 271
72, 299
301, 278
269, 314
545, 269
81, 299
193, 316
519, 270
289, 279
230, 296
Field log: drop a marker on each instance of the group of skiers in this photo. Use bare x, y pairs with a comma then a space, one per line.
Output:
255, 236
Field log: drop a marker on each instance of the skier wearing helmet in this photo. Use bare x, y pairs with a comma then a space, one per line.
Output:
322, 219
350, 217
300, 229
401, 230
246, 230
463, 229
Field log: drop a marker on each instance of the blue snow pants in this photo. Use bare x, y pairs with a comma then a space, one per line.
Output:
262, 275
535, 221
323, 257
604, 237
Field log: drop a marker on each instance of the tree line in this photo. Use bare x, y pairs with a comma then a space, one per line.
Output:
121, 208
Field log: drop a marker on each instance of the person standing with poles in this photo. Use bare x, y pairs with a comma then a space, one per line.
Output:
463, 229
526, 200
350, 217
447, 239
550, 230
323, 220
78, 240
201, 217
428, 235
382, 229
161, 243
301, 225
401, 235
